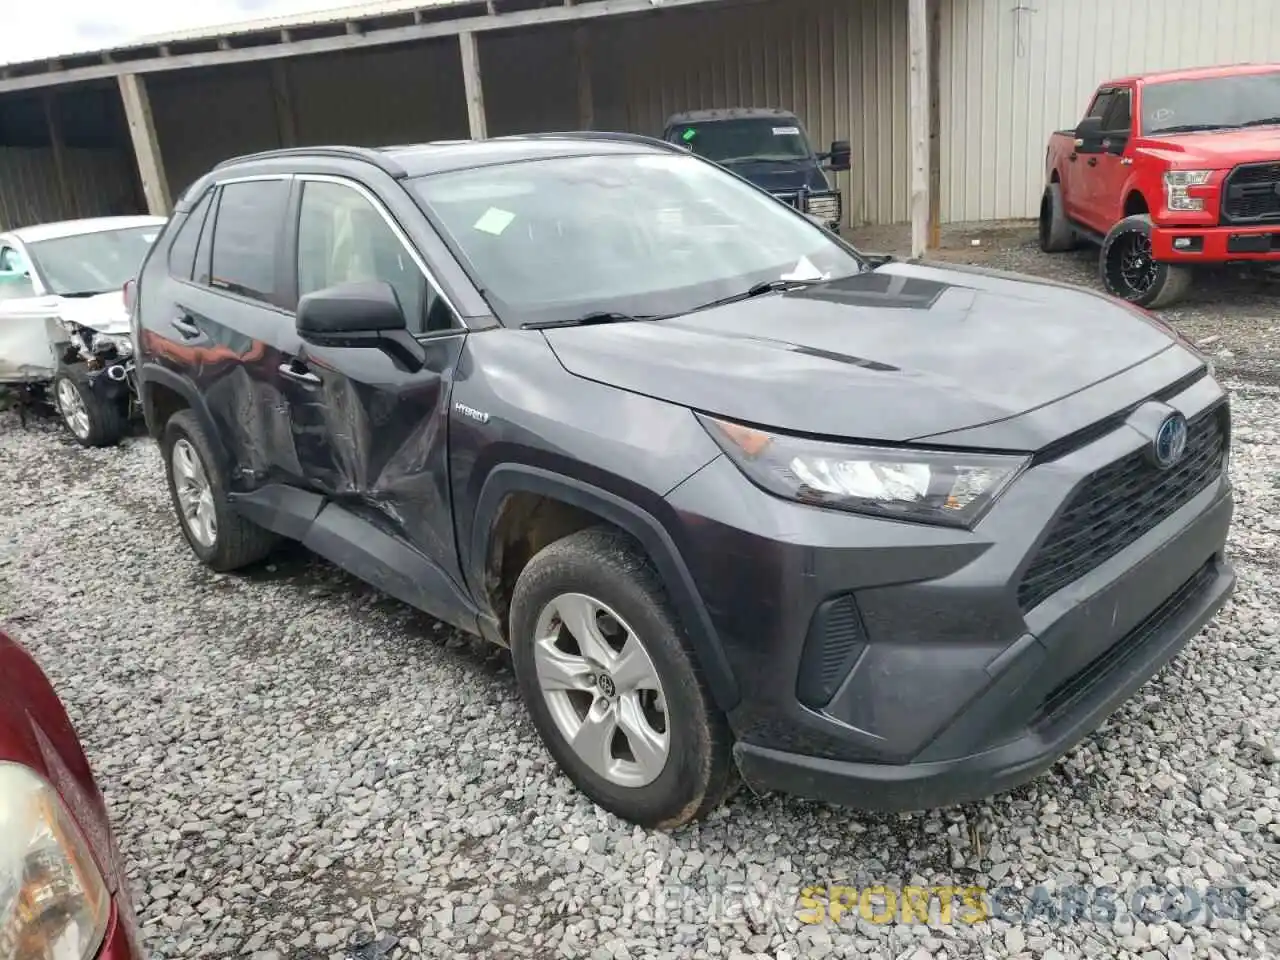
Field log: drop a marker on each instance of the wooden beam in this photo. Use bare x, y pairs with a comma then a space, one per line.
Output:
282, 94
935, 124
146, 148
918, 122
166, 60
473, 85
586, 97
53, 123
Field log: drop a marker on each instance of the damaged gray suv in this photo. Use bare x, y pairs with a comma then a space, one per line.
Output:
744, 503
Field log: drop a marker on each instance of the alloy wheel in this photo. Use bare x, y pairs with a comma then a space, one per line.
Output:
1132, 268
71, 406
602, 690
195, 494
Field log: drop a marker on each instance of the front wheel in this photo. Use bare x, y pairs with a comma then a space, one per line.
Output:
1128, 269
92, 420
612, 686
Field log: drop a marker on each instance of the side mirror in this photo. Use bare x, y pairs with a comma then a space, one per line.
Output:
362, 314
1089, 135
841, 156
350, 312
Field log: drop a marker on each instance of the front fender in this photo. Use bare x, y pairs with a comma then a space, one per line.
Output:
506, 479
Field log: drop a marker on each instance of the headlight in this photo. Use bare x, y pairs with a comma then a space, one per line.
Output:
826, 206
1176, 183
53, 902
121, 343
929, 486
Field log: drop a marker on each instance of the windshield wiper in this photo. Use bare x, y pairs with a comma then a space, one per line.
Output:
1193, 128
586, 320
83, 294
1264, 122
757, 290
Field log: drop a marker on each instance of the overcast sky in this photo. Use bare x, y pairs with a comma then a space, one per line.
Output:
48, 28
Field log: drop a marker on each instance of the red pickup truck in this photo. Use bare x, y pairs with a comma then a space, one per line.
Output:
1167, 172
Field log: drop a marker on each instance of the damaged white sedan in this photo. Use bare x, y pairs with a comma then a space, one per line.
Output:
64, 319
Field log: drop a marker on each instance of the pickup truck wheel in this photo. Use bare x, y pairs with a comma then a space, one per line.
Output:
94, 422
1129, 271
219, 537
1056, 232
611, 685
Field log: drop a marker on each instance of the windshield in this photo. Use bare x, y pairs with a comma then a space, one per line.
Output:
645, 235
89, 263
730, 141
1217, 103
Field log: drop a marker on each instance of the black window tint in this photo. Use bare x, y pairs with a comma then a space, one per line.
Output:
343, 238
1118, 116
245, 237
182, 252
1100, 104
200, 272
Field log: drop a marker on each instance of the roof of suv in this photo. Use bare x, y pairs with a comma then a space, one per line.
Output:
440, 156
733, 113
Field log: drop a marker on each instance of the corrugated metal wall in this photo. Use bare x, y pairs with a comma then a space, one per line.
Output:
841, 65
1013, 71
99, 183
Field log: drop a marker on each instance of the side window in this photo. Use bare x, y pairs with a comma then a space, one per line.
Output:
246, 235
342, 238
1118, 117
11, 261
1100, 104
182, 252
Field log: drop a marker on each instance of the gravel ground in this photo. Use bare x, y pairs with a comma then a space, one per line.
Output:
298, 767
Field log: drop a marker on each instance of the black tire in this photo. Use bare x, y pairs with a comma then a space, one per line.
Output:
1127, 270
103, 422
1056, 233
699, 773
236, 542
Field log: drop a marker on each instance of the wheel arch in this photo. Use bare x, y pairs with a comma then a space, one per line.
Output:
163, 393
567, 504
1135, 202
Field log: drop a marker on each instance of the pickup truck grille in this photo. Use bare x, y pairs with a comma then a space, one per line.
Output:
1121, 502
1251, 193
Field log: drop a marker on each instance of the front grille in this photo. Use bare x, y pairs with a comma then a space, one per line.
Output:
1061, 697
1118, 504
790, 199
1251, 193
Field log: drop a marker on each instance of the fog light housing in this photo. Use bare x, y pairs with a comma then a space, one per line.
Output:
1188, 244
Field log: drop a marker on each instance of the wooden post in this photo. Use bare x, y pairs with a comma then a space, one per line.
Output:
53, 123
473, 84
146, 148
918, 123
935, 124
282, 93
586, 98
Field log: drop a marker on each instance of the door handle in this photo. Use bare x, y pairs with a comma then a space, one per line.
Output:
1093, 161
294, 371
186, 327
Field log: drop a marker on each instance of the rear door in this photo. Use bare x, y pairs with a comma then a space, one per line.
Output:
371, 434
232, 324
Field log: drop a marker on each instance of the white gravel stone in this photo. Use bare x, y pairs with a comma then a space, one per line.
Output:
285, 744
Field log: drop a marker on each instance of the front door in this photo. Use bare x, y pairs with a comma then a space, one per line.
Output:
1108, 177
370, 434
1082, 163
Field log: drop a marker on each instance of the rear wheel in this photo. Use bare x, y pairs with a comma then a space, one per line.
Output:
93, 421
1129, 270
611, 685
1056, 232
221, 538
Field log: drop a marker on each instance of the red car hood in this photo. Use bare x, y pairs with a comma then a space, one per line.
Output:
36, 732
1217, 150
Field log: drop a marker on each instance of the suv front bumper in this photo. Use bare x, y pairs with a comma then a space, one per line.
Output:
950, 691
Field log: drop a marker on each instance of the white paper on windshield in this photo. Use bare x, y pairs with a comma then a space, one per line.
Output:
786, 131
495, 221
150, 237
804, 271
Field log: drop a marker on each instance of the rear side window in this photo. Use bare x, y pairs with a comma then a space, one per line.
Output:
182, 252
246, 238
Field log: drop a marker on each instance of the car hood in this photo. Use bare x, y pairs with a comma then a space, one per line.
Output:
900, 353
781, 177
1222, 149
105, 312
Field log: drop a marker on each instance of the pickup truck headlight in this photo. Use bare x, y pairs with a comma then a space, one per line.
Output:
954, 488
54, 904
1176, 183
824, 205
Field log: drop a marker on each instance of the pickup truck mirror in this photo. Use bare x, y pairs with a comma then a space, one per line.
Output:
1089, 135
841, 156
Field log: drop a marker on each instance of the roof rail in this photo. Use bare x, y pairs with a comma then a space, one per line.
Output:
365, 154
612, 135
